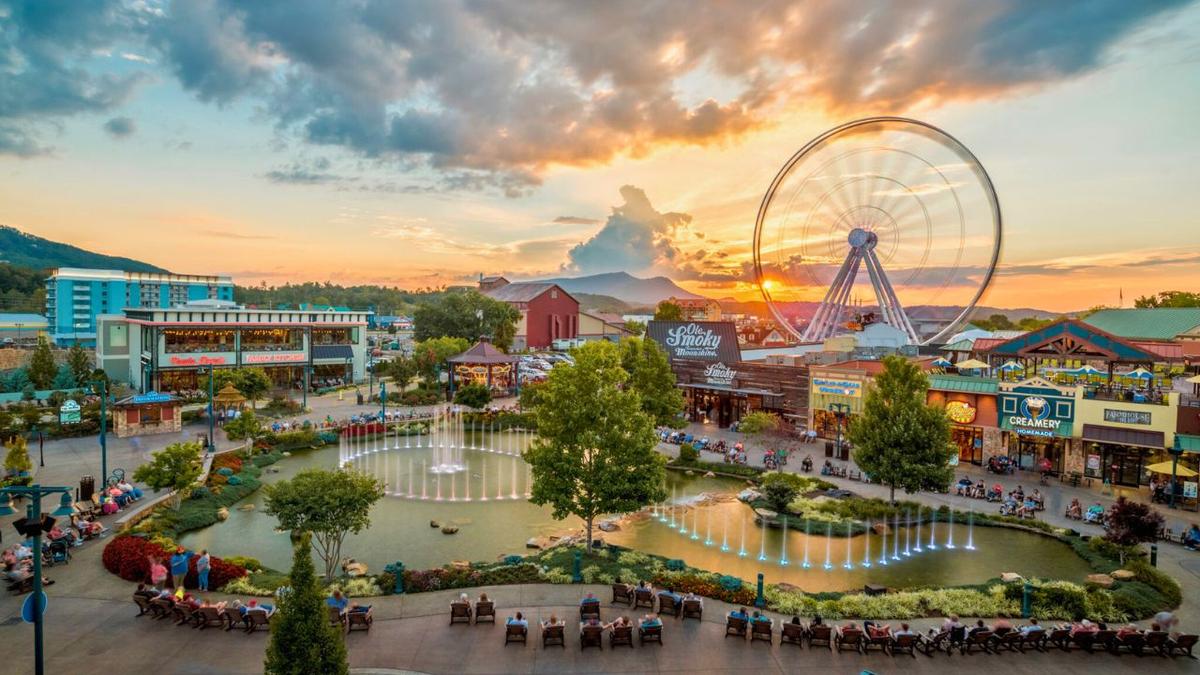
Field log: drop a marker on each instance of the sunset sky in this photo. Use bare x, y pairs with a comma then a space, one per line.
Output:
422, 143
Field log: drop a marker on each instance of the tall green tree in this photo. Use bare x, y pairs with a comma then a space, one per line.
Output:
899, 439
402, 370
668, 311
302, 640
80, 364
594, 453
16, 460
650, 376
42, 368
429, 355
1169, 299
326, 504
253, 383
246, 426
64, 378
175, 467
468, 315
636, 327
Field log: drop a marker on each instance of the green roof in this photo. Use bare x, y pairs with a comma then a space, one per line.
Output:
1188, 442
1160, 323
960, 346
963, 383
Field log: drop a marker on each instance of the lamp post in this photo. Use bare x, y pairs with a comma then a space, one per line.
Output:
1176, 452
839, 410
212, 446
307, 370
101, 387
383, 400
41, 445
34, 525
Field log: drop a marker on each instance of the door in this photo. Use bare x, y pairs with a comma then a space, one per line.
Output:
1128, 463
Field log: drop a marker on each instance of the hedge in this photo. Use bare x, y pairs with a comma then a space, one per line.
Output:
128, 556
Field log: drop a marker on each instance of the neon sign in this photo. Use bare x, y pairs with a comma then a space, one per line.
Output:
197, 360
294, 357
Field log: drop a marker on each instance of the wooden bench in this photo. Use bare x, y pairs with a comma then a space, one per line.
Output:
981, 639
209, 617
257, 618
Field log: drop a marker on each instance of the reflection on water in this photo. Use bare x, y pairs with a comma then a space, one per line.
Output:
486, 501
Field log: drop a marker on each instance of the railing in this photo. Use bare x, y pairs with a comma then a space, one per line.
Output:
1152, 397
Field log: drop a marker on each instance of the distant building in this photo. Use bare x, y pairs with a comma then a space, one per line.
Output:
22, 328
548, 312
697, 309
75, 297
594, 327
1155, 323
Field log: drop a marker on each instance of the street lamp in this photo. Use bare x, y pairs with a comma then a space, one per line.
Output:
33, 525
839, 410
1176, 451
99, 386
41, 444
212, 446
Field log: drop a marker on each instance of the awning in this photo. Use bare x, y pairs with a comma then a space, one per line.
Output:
1098, 433
332, 352
731, 390
1188, 442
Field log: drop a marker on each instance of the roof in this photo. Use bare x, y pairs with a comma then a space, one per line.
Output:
523, 291
985, 344
22, 318
483, 352
1077, 336
963, 383
960, 346
1158, 323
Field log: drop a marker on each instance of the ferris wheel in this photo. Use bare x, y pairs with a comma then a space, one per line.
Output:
898, 197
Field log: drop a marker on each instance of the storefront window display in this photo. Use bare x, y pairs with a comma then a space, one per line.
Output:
969, 441
1039, 453
272, 339
333, 336
197, 340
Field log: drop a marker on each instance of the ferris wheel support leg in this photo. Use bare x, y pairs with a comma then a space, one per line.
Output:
839, 313
889, 298
817, 327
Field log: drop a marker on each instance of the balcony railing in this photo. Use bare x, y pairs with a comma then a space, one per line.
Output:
1144, 396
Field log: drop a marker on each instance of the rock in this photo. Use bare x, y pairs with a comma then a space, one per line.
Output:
356, 569
1123, 575
449, 529
766, 513
533, 543
461, 564
285, 453
881, 529
1011, 577
222, 513
246, 507
434, 523
710, 474
689, 472
1101, 580
608, 526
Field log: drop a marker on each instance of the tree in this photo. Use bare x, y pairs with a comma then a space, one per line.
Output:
253, 383
175, 467
468, 315
42, 368
473, 395
1131, 523
995, 322
651, 378
64, 378
668, 311
80, 364
302, 639
899, 439
16, 460
1031, 323
594, 452
779, 494
246, 426
327, 504
636, 327
1169, 299
402, 370
430, 354
759, 421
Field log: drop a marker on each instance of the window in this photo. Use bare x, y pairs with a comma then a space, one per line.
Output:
553, 293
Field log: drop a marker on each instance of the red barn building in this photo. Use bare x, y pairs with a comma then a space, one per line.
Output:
548, 313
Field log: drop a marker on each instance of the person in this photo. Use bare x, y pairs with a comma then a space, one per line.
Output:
338, 600
551, 622
739, 613
795, 620
1166, 620
482, 598
1191, 538
590, 599
1031, 627
668, 593
979, 628
518, 620
590, 622
693, 596
158, 572
1075, 510
1084, 626
1001, 626
1039, 502
817, 620
1095, 513
202, 566
651, 621
1127, 630
951, 623
144, 592
179, 566
759, 618
904, 631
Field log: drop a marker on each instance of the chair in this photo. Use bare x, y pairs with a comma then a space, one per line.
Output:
848, 639
904, 644
621, 635
1034, 638
880, 640
1059, 637
1083, 640
257, 618
1132, 643
209, 617
232, 618
793, 633
143, 603
589, 610
485, 609
460, 612
515, 633
981, 639
1009, 639
762, 630
822, 636
668, 606
622, 594
161, 607
649, 634
735, 626
1182, 645
1157, 640
553, 635
642, 597
591, 636
359, 620
693, 609
336, 617
1103, 639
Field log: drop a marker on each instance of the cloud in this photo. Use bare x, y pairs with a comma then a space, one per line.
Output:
120, 127
231, 234
576, 220
635, 238
137, 58
301, 172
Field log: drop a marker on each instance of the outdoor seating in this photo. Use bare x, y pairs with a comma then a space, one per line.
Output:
693, 609
668, 606
460, 612
232, 618
1157, 640
761, 630
981, 639
591, 636
143, 603
904, 644
209, 617
649, 634
849, 639
257, 618
1103, 639
1059, 637
642, 597
1182, 645
161, 607
822, 636
621, 635
336, 617
734, 626
515, 633
881, 641
553, 635
1033, 638
1009, 639
622, 594
359, 620
589, 610
1132, 643
181, 614
485, 610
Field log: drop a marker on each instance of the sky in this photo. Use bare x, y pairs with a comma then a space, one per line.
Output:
421, 144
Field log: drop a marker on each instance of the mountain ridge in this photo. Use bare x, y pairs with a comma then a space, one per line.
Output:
624, 286
22, 249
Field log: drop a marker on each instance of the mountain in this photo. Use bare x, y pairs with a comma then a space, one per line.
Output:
624, 286
25, 250
605, 304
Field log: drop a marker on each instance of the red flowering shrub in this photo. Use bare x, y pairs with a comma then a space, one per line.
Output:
703, 586
129, 558
231, 460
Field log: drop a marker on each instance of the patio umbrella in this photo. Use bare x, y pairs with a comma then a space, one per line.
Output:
1165, 467
945, 363
1195, 379
1087, 369
1139, 374
1011, 367
972, 364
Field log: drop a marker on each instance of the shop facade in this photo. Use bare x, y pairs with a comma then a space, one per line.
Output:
148, 413
836, 398
971, 405
1037, 420
1121, 438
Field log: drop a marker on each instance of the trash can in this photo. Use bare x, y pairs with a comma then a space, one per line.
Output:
829, 448
87, 488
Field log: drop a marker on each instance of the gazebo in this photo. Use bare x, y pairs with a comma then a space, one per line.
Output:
148, 413
486, 365
229, 398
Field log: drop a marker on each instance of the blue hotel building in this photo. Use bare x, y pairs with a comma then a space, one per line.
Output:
75, 297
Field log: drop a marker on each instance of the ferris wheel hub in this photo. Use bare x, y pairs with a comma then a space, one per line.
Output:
862, 239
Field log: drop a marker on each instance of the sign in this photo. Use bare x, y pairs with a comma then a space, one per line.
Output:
1036, 414
1093, 464
960, 412
69, 413
279, 357
1189, 490
1126, 416
197, 360
27, 606
705, 340
837, 387
719, 373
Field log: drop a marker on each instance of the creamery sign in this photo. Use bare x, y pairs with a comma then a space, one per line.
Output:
1036, 408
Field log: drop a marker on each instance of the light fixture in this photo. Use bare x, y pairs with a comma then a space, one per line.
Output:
65, 507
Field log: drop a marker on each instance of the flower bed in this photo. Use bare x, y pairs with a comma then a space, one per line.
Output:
128, 556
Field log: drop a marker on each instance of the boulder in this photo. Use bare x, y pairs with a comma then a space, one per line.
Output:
1101, 580
608, 526
1011, 577
689, 472
533, 543
766, 513
285, 453
1123, 575
223, 513
246, 507
434, 523
710, 474
881, 529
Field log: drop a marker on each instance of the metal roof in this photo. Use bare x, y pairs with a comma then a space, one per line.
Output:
959, 346
25, 319
1159, 323
524, 291
963, 383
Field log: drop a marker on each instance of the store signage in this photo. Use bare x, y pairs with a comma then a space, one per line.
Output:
69, 413
693, 340
1093, 464
704, 340
960, 412
197, 360
279, 357
1189, 489
719, 373
1035, 419
837, 387
1126, 416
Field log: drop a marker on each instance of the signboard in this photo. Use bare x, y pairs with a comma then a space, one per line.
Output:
1093, 464
1037, 414
960, 412
69, 413
197, 361
278, 357
719, 373
1126, 416
1189, 490
837, 387
707, 340
27, 607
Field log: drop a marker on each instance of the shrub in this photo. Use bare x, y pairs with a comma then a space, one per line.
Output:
556, 576
473, 395
386, 581
127, 556
251, 564
360, 587
243, 586
688, 453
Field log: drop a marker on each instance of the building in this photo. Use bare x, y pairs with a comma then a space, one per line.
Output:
593, 327
486, 365
548, 313
171, 350
1157, 323
22, 328
75, 297
971, 405
697, 309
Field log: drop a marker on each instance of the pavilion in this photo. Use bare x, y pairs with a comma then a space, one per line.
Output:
484, 364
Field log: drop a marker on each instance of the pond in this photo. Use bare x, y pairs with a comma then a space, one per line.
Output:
480, 488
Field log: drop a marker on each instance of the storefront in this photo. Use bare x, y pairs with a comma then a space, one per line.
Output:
1121, 438
836, 396
149, 413
720, 394
1038, 418
970, 404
